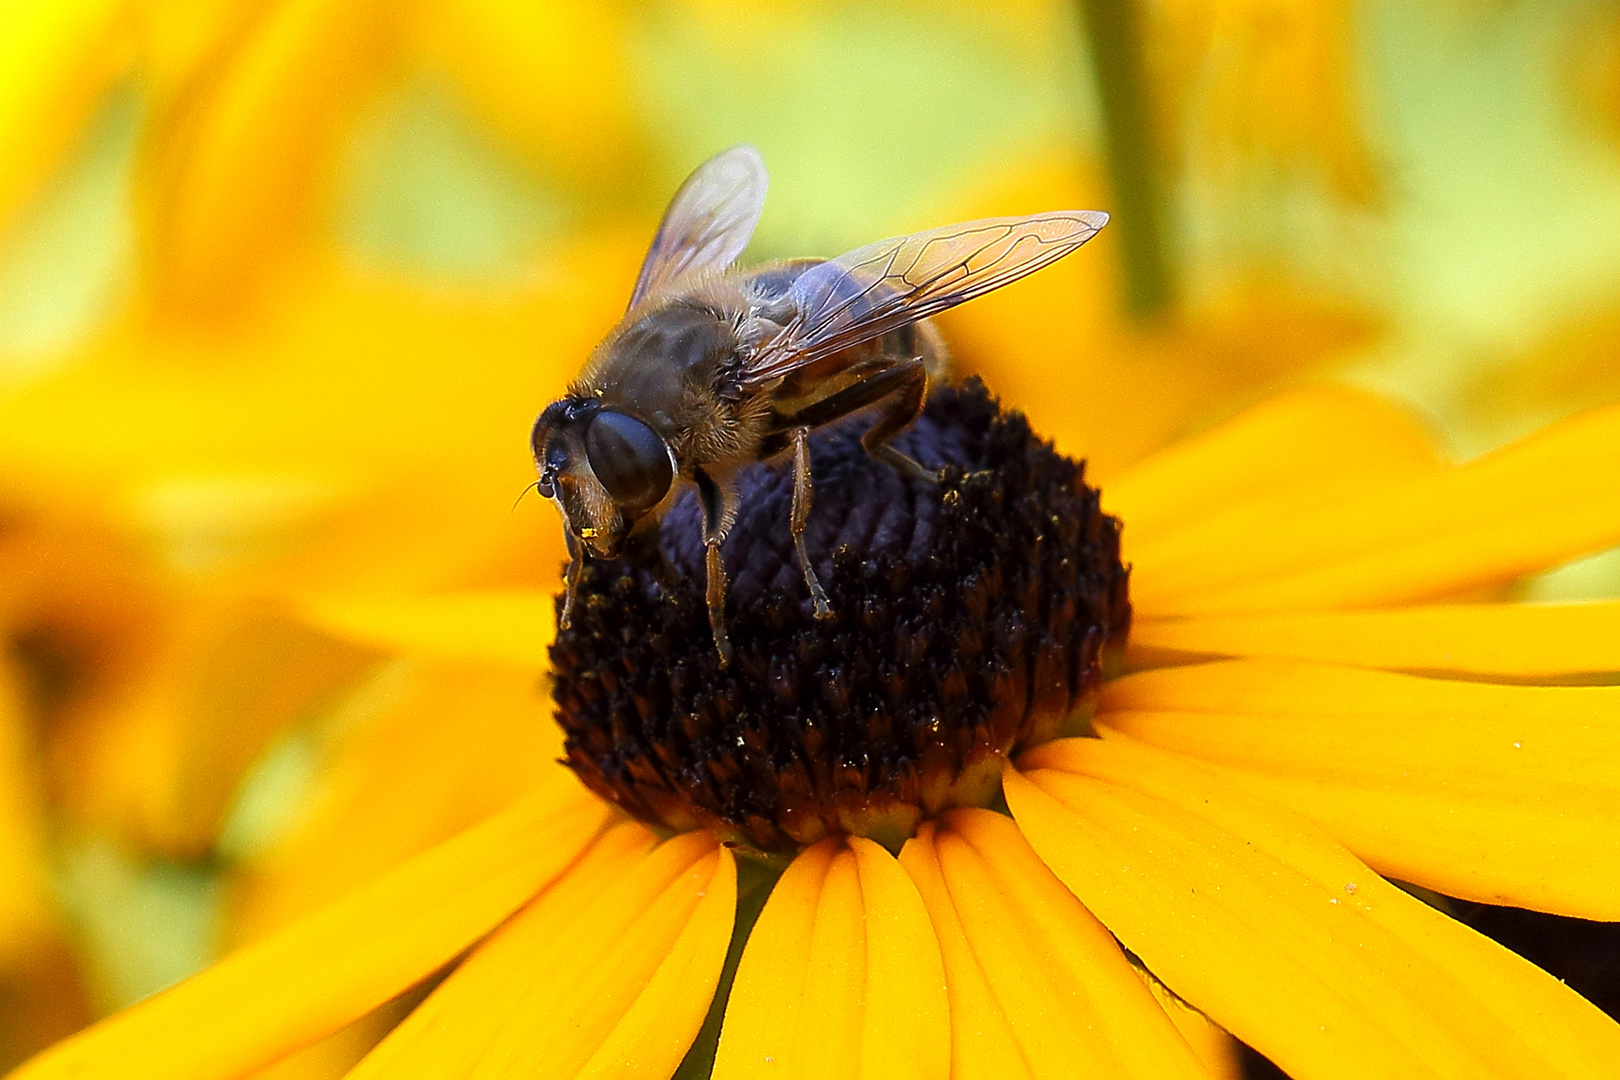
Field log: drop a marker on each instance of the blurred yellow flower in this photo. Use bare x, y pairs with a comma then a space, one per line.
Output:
549, 76
1571, 367
247, 106
244, 493
57, 61
1592, 59
40, 997
1261, 82
176, 485
234, 156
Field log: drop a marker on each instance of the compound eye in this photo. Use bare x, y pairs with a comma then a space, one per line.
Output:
629, 459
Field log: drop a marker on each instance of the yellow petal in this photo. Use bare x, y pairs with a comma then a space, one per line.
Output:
41, 999
1269, 82
1505, 794
24, 911
1300, 439
321, 974
1539, 502
159, 760
332, 1057
841, 976
57, 60
1286, 939
238, 158
1037, 987
420, 752
551, 75
1519, 640
178, 37
608, 973
368, 439
513, 626
1569, 366
1216, 1050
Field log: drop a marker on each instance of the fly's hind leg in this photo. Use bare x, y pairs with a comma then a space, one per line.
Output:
904, 404
801, 514
899, 390
716, 500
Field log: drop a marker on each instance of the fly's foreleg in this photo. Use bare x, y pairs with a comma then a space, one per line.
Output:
576, 564
801, 515
907, 391
714, 498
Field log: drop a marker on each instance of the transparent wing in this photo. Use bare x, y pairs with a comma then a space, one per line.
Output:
886, 285
709, 220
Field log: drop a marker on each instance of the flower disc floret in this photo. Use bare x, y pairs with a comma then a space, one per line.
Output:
973, 619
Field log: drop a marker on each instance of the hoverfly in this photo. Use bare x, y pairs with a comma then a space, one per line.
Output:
714, 367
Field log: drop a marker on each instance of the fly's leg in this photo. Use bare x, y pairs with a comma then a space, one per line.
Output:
576, 564
801, 514
904, 386
716, 596
715, 499
908, 391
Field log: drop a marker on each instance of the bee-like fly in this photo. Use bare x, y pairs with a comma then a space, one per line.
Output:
714, 367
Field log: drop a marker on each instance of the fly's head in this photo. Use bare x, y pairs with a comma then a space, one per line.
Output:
606, 470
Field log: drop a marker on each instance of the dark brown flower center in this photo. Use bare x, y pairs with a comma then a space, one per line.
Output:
973, 620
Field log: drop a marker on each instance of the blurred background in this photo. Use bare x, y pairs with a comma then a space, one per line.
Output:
283, 284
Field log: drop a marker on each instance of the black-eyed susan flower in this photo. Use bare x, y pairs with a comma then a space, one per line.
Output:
1301, 727
194, 439
244, 497
320, 448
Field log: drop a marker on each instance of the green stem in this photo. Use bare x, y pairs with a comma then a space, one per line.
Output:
1115, 31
